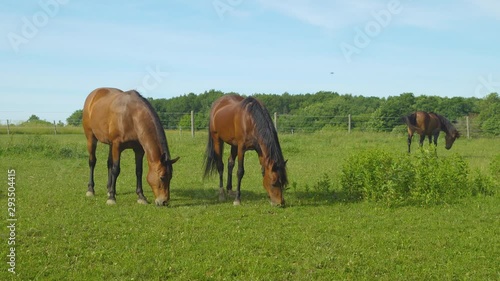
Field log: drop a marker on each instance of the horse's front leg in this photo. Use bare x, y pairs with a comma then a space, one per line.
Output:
230, 167
435, 142
240, 173
139, 156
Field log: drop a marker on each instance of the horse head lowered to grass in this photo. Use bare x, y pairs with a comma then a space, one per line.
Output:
127, 120
430, 124
245, 124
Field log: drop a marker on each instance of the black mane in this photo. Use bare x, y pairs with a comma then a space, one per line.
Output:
267, 134
446, 125
162, 138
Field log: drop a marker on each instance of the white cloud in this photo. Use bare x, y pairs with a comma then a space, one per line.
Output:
337, 14
488, 7
324, 14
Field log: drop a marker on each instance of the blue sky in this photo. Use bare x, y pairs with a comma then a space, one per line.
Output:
55, 52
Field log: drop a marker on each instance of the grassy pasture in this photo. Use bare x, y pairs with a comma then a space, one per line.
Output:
62, 235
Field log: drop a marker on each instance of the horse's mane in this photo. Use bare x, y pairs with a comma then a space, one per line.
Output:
267, 133
446, 125
162, 138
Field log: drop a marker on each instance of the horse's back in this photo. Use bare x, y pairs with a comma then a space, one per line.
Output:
225, 118
425, 123
107, 114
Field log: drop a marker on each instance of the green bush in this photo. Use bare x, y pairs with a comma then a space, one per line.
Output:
482, 184
495, 167
402, 179
376, 175
42, 146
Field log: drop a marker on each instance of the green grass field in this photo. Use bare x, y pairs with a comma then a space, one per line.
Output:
63, 235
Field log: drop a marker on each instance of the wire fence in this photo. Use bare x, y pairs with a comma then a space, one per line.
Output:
285, 123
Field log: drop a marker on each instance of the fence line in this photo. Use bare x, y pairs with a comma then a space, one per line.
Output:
285, 123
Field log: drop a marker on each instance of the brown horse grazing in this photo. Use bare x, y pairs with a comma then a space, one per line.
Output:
245, 124
127, 120
430, 124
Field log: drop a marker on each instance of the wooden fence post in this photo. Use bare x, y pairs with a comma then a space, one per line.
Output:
468, 127
349, 123
192, 123
8, 127
55, 128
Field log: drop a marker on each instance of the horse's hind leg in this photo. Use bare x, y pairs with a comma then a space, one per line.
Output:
139, 156
410, 136
115, 172
91, 147
110, 167
218, 150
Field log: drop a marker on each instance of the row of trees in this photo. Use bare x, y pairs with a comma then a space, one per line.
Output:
330, 109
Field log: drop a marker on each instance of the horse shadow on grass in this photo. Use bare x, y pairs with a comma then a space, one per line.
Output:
200, 196
320, 198
203, 196
186, 197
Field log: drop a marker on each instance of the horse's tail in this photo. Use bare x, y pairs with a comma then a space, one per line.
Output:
210, 156
411, 122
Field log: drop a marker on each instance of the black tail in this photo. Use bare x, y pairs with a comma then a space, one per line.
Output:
210, 157
411, 120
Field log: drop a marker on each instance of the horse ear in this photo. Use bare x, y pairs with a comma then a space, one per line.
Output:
164, 159
174, 160
286, 161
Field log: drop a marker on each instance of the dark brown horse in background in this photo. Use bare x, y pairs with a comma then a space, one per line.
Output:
245, 124
430, 124
127, 120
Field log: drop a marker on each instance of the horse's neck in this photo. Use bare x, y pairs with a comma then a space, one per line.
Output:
152, 149
445, 128
263, 152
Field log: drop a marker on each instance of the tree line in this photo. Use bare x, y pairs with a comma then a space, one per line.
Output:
316, 111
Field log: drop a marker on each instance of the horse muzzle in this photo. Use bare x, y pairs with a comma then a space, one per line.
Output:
161, 202
280, 205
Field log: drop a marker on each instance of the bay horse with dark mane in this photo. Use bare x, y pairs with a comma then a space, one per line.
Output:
127, 120
245, 124
430, 124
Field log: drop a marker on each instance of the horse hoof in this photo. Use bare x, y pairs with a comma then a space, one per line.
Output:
236, 203
111, 202
142, 201
89, 194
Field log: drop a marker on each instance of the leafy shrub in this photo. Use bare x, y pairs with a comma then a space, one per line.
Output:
495, 167
400, 179
323, 185
482, 184
377, 176
439, 179
38, 145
